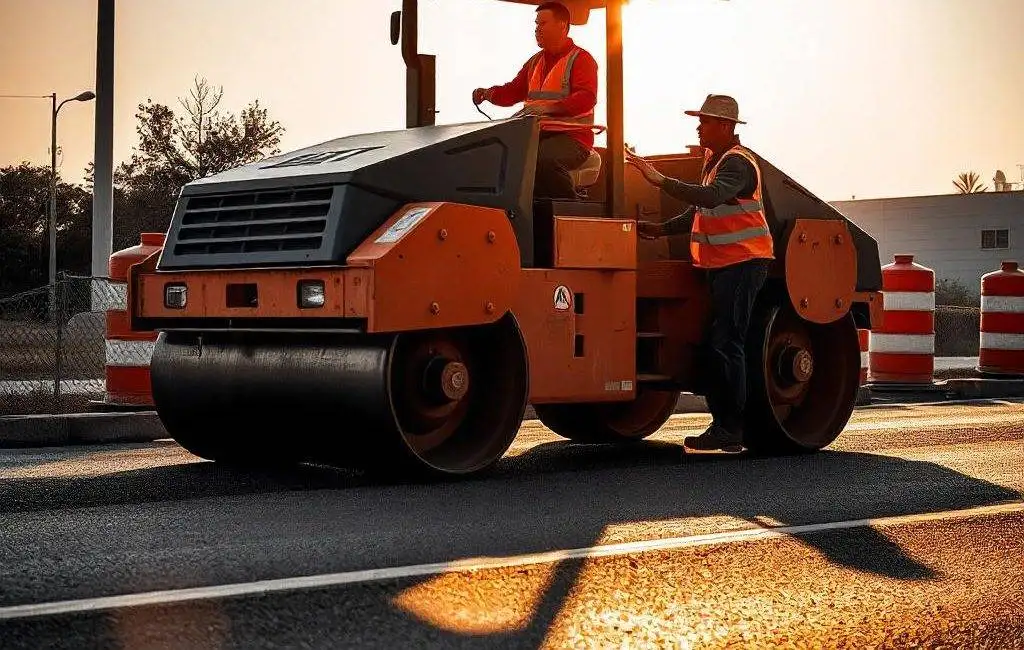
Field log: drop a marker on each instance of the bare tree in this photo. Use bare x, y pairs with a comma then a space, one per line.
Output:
176, 149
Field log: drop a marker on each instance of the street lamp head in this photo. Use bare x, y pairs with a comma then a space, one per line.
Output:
86, 96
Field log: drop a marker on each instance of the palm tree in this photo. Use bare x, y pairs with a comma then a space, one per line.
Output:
969, 183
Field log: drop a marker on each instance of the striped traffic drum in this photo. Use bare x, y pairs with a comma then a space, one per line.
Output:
901, 349
1001, 344
128, 353
863, 336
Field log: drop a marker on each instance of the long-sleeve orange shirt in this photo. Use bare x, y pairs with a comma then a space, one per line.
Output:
582, 90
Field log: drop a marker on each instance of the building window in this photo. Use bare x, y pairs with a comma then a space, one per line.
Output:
995, 238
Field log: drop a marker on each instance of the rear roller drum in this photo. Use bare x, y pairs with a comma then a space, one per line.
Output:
802, 380
610, 422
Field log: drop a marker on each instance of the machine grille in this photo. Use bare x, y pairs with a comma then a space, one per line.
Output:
276, 220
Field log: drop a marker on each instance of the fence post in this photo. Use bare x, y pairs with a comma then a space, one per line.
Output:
58, 352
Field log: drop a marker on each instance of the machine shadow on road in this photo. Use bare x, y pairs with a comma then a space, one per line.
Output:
552, 496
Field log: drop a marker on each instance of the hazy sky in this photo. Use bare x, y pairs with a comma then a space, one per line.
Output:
852, 97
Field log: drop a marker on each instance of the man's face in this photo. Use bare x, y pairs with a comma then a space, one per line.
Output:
549, 31
712, 131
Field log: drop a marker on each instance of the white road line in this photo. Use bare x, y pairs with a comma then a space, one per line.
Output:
477, 564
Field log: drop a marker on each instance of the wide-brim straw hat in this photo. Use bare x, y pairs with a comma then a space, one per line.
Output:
721, 106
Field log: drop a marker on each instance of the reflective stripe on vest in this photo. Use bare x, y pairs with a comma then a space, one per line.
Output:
727, 210
732, 232
552, 87
730, 237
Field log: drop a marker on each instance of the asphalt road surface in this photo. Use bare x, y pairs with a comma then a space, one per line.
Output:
907, 532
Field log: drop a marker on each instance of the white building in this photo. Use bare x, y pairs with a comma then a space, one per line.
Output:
960, 236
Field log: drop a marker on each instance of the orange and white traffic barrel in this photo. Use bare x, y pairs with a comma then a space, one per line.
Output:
863, 336
901, 349
1001, 344
128, 353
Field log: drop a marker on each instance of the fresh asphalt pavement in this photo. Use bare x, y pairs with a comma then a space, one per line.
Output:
692, 568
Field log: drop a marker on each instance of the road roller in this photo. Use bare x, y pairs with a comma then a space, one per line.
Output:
394, 301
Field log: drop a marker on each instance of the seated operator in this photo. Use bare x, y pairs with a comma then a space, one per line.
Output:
559, 83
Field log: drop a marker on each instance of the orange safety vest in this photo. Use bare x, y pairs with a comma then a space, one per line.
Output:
735, 231
552, 87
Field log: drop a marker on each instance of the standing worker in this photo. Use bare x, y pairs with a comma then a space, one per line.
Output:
730, 239
559, 84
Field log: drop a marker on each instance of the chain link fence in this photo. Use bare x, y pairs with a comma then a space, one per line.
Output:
957, 331
52, 346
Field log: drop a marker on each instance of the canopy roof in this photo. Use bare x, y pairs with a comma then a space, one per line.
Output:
579, 9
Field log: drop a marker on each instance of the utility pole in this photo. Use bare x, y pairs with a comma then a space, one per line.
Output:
103, 158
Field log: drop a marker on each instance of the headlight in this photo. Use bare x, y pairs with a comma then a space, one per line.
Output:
311, 293
175, 296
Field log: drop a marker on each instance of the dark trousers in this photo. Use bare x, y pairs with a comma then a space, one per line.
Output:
733, 291
556, 155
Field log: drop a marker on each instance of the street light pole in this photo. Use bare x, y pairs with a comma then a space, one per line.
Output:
53, 208
81, 97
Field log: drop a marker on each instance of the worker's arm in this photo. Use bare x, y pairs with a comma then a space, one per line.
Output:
679, 224
735, 176
511, 93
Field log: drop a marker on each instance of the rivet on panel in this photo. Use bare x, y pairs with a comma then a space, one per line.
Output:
489, 307
839, 303
804, 302
442, 234
839, 239
435, 308
803, 237
491, 236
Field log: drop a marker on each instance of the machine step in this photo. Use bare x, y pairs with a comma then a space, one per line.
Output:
647, 378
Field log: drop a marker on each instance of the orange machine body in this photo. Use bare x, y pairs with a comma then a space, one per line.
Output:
594, 325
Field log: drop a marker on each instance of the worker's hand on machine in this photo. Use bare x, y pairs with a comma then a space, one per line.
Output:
653, 176
480, 95
649, 230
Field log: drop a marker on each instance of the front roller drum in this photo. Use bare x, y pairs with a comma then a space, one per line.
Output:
411, 405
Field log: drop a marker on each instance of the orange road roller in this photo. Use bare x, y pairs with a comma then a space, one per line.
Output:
394, 301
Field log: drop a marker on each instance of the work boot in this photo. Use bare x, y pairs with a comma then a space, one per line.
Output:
716, 437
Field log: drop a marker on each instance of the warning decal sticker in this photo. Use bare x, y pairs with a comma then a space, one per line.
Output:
403, 225
563, 298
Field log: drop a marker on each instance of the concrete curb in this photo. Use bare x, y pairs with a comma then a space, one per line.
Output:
79, 429
972, 388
